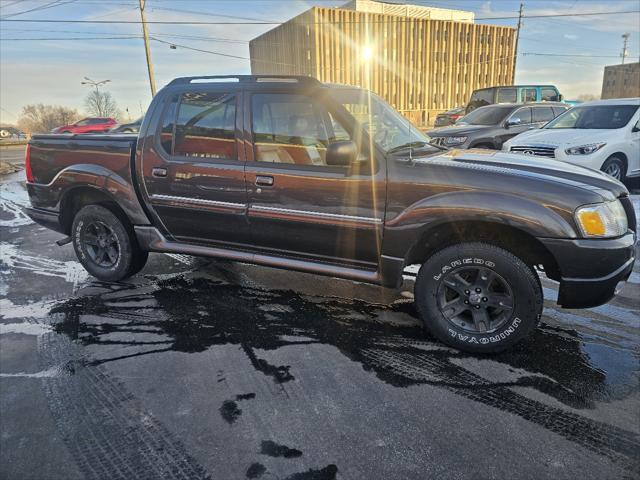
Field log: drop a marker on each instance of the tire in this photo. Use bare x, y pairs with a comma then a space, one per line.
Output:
484, 146
615, 167
454, 312
105, 244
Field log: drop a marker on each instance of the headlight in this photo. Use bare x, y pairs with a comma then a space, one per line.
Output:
455, 140
602, 220
584, 149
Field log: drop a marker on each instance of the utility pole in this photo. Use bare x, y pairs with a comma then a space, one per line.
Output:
625, 52
515, 55
147, 49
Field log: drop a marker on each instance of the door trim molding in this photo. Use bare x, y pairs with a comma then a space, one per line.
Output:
178, 201
313, 216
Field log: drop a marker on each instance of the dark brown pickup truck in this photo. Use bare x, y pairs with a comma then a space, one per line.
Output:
292, 173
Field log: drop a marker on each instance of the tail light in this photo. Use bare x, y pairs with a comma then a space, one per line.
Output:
27, 164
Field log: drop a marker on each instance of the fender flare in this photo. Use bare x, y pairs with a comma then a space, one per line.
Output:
508, 210
120, 190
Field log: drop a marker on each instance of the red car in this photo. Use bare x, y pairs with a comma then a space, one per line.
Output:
88, 125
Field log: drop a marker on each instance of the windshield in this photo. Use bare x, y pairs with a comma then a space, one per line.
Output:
491, 115
389, 130
594, 117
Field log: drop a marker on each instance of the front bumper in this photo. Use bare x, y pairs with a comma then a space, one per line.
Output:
591, 268
47, 218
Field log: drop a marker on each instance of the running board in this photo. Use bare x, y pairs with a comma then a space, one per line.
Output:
152, 240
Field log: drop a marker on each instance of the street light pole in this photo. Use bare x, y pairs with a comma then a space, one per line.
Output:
147, 49
93, 83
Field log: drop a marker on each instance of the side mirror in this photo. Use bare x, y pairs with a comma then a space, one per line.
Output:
341, 153
560, 97
512, 122
636, 128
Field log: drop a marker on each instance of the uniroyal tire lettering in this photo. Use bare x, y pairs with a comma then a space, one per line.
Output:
464, 261
485, 340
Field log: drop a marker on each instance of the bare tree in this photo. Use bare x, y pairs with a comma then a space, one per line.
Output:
40, 118
101, 104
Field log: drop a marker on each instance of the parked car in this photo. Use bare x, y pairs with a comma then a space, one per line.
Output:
9, 132
491, 126
279, 171
87, 125
512, 94
449, 117
603, 135
132, 127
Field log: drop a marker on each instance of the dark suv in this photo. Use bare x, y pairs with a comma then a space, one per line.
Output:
491, 126
292, 173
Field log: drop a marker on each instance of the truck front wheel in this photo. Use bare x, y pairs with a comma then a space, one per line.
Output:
105, 245
478, 297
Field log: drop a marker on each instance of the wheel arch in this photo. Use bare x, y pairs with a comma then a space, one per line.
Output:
517, 241
74, 199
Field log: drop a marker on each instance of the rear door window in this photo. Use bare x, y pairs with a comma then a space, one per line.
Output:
542, 114
205, 126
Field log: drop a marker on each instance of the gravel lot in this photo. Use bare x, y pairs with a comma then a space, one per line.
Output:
198, 368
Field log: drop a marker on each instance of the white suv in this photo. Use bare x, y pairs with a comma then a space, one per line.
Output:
603, 135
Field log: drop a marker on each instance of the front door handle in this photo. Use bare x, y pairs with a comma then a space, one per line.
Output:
264, 181
159, 172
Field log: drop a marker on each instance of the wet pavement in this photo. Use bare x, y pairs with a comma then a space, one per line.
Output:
198, 368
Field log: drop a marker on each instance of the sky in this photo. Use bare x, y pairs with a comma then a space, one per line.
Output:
51, 71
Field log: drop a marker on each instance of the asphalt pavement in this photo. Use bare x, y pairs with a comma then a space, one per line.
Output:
197, 368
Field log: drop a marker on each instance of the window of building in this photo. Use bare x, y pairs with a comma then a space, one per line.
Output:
205, 125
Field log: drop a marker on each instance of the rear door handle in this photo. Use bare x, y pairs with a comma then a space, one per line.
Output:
159, 172
264, 181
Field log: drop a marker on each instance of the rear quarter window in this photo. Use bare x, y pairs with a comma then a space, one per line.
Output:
549, 95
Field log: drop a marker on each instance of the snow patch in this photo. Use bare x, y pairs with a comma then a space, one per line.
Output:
13, 198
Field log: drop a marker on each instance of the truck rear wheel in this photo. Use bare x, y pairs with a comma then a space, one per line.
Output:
478, 297
105, 245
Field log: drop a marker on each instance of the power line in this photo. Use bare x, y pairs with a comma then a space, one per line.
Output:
368, 21
569, 55
41, 39
56, 3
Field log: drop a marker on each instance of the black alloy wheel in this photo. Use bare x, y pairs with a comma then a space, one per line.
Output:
475, 299
101, 244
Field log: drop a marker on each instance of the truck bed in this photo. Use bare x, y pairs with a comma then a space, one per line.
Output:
52, 153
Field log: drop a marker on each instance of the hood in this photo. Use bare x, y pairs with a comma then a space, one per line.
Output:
560, 136
457, 130
545, 169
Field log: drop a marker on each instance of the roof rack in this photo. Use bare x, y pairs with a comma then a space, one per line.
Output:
247, 79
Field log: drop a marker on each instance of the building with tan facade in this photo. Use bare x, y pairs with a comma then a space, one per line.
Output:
422, 60
621, 81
